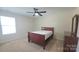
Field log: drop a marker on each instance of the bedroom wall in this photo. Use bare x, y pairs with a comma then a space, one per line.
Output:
23, 25
60, 19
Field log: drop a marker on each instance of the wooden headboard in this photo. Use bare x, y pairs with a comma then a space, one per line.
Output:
48, 28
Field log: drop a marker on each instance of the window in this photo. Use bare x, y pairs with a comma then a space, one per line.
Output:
8, 25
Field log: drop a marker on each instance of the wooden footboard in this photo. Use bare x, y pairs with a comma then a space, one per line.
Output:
40, 39
36, 38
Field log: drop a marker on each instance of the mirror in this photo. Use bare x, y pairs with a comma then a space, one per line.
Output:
75, 25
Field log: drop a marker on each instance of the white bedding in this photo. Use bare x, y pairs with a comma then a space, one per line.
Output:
43, 32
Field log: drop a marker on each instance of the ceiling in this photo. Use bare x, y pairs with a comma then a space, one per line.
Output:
24, 10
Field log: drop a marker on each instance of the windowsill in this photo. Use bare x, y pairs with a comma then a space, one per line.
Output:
8, 34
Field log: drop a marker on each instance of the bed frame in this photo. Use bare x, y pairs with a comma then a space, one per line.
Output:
40, 39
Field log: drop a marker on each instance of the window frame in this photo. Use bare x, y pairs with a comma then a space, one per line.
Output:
8, 33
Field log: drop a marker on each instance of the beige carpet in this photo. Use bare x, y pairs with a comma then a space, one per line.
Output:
24, 46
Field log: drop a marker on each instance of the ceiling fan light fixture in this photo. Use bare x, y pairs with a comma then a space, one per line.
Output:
36, 14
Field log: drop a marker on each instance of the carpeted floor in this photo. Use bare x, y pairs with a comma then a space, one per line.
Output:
24, 46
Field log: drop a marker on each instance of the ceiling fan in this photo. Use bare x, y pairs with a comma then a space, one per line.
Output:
37, 12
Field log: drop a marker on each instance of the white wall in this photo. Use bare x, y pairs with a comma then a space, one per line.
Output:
59, 18
23, 25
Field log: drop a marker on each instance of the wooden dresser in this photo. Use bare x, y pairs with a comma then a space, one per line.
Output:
70, 39
70, 43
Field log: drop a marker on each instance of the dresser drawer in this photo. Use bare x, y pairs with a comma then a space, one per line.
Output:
70, 44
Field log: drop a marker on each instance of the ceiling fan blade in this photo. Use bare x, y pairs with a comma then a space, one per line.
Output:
40, 14
34, 14
42, 11
35, 9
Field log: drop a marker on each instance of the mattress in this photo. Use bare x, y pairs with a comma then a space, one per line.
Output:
43, 32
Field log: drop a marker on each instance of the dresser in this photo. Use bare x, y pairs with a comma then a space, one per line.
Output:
70, 43
70, 39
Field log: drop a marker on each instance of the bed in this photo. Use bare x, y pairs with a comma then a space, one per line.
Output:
41, 37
